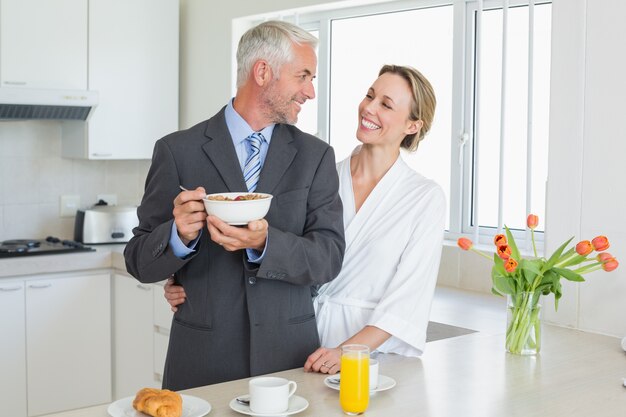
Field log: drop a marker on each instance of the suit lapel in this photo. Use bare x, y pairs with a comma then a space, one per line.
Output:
220, 150
279, 156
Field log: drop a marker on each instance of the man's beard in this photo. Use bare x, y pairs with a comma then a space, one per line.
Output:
276, 108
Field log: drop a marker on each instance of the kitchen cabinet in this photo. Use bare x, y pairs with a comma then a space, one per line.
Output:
142, 319
68, 342
162, 325
133, 64
132, 336
43, 44
12, 349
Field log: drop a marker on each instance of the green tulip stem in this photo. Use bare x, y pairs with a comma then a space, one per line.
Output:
566, 257
481, 254
589, 268
523, 333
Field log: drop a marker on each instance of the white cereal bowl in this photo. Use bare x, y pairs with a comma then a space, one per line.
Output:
238, 212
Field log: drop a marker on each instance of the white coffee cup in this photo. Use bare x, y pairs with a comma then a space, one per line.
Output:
373, 374
270, 394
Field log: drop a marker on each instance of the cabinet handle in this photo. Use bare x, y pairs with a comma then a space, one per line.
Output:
39, 286
15, 82
102, 155
161, 330
144, 287
7, 289
158, 377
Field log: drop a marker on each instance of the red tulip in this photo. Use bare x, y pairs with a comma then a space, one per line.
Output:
584, 248
499, 240
609, 263
510, 265
465, 243
600, 243
504, 252
532, 221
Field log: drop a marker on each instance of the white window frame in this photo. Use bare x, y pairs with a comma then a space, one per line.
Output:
319, 18
483, 235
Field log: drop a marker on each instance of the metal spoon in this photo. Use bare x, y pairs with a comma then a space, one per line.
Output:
184, 189
242, 401
334, 381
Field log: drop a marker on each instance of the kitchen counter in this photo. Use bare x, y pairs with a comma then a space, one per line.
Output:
104, 256
576, 374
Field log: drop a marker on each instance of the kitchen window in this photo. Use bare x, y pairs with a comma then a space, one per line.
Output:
488, 146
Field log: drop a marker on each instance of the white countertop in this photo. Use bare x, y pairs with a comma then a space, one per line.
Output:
576, 374
105, 256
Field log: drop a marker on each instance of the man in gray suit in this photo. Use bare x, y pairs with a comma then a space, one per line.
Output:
248, 309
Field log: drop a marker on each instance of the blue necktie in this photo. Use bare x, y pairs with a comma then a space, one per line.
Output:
252, 167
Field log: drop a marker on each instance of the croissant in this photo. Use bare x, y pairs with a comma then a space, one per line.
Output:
159, 402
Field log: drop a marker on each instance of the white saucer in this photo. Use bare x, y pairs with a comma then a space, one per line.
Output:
384, 383
192, 407
296, 405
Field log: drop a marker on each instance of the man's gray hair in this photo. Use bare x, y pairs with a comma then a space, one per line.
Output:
270, 41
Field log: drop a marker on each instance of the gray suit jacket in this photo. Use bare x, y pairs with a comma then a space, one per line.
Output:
241, 319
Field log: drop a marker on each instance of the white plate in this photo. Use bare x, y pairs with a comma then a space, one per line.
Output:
384, 383
296, 405
192, 407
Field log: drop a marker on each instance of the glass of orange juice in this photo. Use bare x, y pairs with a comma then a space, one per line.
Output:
354, 392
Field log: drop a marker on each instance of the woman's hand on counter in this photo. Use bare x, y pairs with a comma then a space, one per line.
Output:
324, 360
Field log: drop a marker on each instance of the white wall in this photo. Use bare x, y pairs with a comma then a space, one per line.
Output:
33, 176
588, 144
604, 202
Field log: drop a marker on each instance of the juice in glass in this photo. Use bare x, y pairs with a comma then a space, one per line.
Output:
354, 393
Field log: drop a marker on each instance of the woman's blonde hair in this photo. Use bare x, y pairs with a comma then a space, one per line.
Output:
423, 102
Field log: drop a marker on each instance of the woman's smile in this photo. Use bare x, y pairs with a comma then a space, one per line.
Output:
368, 124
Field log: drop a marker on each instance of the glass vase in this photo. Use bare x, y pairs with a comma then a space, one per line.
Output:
523, 324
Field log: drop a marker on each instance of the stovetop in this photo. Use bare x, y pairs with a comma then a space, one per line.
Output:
48, 246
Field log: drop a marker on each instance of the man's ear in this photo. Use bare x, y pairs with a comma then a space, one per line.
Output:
262, 73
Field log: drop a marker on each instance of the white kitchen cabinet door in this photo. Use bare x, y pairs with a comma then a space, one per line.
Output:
161, 342
12, 349
162, 310
132, 336
68, 339
162, 325
43, 44
133, 64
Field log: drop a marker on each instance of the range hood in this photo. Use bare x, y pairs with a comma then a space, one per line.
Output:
48, 104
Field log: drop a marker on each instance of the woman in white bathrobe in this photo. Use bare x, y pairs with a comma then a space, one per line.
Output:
394, 223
